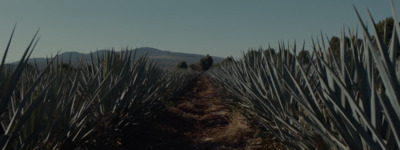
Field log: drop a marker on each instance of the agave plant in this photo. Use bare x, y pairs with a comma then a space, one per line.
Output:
347, 103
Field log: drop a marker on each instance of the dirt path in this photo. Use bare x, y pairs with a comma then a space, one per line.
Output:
198, 120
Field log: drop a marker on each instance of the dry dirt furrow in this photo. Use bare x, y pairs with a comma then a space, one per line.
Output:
198, 119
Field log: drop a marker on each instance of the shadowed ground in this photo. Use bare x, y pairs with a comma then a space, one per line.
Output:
197, 120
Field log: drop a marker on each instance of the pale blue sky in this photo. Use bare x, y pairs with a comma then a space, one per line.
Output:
216, 27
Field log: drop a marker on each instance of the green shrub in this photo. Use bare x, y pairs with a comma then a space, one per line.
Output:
206, 62
182, 65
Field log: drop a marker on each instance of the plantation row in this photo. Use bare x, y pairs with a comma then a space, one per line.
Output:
61, 107
349, 101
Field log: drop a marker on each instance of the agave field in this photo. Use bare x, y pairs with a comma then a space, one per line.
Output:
350, 101
346, 102
62, 107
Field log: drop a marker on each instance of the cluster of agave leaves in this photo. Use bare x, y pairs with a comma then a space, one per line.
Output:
350, 102
60, 106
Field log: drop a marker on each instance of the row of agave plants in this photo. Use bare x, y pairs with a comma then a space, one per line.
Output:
346, 102
60, 107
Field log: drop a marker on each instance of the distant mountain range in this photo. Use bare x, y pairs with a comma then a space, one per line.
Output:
164, 59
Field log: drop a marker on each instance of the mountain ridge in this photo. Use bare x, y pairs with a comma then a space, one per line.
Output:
163, 58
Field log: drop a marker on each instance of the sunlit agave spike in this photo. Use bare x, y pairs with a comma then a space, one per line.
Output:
383, 49
394, 48
7, 48
383, 71
24, 117
11, 84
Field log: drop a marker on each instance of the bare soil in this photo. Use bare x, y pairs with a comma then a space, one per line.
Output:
198, 119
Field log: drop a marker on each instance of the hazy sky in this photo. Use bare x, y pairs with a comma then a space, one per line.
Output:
215, 27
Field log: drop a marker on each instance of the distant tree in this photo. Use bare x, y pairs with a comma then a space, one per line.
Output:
286, 55
282, 58
334, 46
385, 29
227, 60
359, 41
66, 66
253, 54
30, 68
182, 65
269, 52
304, 57
195, 67
206, 62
